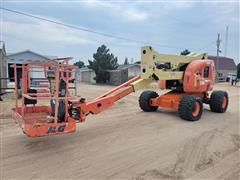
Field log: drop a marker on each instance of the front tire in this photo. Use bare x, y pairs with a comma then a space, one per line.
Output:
219, 101
144, 101
190, 108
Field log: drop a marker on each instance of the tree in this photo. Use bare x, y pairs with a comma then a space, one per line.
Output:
238, 70
126, 61
103, 60
79, 63
185, 52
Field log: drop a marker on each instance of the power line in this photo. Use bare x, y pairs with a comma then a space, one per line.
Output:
207, 46
89, 30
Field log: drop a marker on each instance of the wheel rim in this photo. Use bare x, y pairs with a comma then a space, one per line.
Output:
224, 102
196, 109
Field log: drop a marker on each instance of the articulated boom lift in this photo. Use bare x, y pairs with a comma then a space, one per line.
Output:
188, 80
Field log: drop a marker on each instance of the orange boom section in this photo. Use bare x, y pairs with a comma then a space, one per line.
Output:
106, 100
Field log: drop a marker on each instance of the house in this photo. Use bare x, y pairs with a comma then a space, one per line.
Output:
86, 75
118, 76
132, 69
123, 73
226, 68
19, 58
3, 66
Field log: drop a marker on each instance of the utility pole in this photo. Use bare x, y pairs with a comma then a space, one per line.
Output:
217, 61
226, 41
218, 44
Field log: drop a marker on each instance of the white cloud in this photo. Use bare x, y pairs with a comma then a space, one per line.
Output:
146, 21
180, 5
228, 13
125, 11
21, 32
35, 30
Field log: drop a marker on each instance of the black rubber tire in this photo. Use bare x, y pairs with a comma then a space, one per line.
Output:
144, 99
61, 110
187, 106
216, 101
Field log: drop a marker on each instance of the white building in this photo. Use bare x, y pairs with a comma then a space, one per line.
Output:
19, 57
86, 75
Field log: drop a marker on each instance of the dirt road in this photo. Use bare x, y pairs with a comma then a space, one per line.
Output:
126, 143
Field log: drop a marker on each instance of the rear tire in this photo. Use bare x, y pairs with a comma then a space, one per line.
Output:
190, 108
219, 101
144, 101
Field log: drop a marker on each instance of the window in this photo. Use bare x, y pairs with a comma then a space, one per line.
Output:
220, 74
206, 72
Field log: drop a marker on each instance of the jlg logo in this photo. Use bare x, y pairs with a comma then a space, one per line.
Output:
54, 129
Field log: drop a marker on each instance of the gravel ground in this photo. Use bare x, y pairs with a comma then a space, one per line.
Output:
125, 143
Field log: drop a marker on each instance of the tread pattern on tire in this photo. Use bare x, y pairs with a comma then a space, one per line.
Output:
186, 106
144, 101
216, 100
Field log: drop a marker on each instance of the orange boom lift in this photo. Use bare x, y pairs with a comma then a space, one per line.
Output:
187, 79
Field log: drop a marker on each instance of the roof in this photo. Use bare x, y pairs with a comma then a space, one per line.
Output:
84, 69
223, 63
51, 57
126, 66
28, 51
113, 70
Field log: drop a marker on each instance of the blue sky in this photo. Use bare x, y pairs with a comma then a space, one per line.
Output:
173, 25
